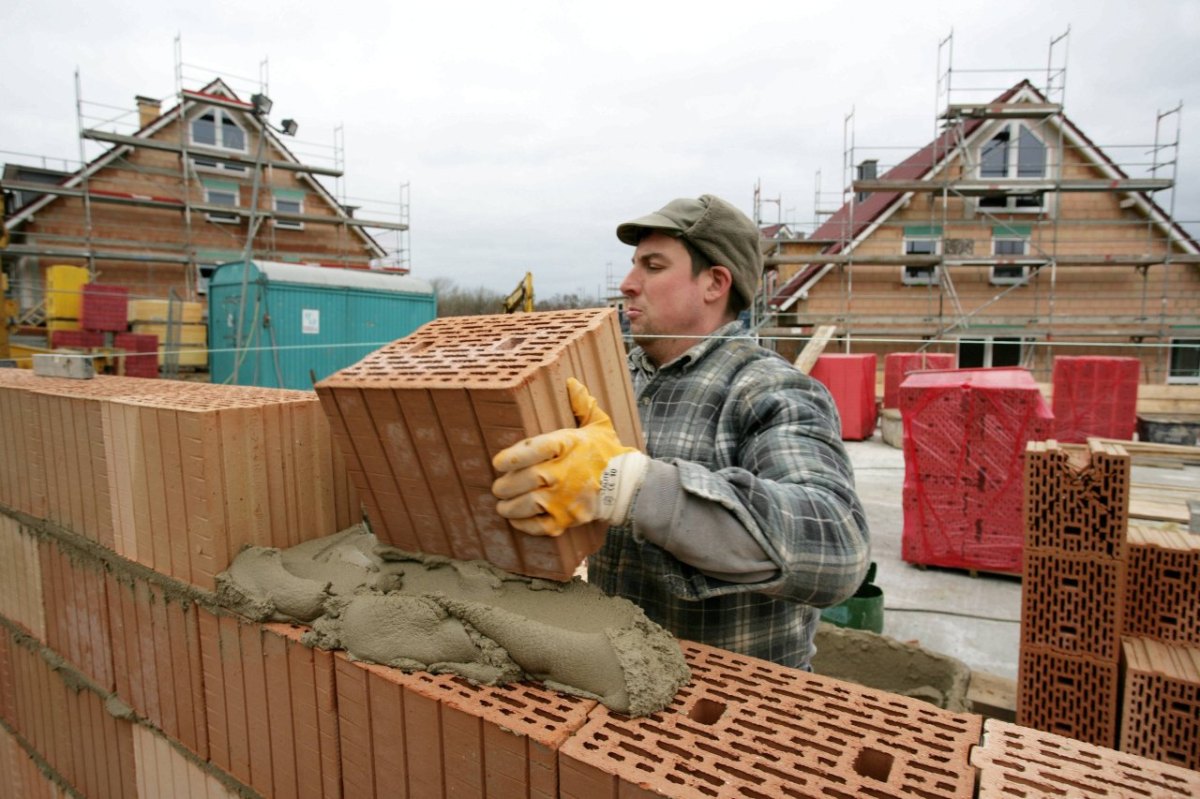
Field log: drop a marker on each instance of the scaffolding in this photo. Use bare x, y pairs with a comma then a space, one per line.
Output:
360, 224
961, 192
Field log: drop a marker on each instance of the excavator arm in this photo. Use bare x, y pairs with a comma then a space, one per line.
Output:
521, 298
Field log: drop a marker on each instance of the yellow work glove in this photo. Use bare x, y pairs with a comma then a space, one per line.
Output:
569, 477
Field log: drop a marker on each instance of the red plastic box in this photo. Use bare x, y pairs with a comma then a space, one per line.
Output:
851, 381
1095, 396
138, 365
898, 365
105, 308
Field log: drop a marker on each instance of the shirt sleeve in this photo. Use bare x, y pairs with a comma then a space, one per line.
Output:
781, 517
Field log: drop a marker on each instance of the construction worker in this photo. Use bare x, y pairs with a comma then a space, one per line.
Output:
742, 520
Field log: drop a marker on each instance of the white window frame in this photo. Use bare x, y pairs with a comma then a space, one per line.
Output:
1012, 203
206, 164
288, 224
1010, 280
908, 274
1183, 379
989, 342
223, 219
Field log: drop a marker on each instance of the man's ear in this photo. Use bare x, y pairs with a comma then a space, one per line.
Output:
720, 283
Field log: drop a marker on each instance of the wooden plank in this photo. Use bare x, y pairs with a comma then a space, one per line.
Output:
813, 349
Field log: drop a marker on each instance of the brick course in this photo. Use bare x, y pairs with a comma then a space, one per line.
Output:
1161, 712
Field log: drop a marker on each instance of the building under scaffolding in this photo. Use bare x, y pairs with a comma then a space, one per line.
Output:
174, 193
1011, 237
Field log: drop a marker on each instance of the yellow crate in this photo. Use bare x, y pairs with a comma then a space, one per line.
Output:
189, 313
188, 334
64, 290
62, 324
189, 355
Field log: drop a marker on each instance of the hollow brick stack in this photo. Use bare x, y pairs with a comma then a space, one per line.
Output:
420, 419
898, 365
1073, 594
965, 433
851, 381
1095, 396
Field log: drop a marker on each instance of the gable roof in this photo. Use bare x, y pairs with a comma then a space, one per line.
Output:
217, 90
855, 220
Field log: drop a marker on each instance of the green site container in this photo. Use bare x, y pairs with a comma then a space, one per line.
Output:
302, 323
863, 611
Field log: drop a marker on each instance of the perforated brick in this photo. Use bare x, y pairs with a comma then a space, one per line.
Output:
1161, 708
420, 419
748, 728
1162, 599
1019, 763
1073, 603
420, 734
1071, 695
1077, 498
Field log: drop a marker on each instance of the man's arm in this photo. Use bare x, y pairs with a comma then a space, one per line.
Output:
781, 516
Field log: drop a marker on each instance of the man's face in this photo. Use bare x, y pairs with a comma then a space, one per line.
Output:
662, 298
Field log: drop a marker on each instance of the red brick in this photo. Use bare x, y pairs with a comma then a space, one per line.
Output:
749, 728
215, 711
1161, 706
1077, 498
1072, 695
77, 610
1162, 599
1073, 603
1095, 396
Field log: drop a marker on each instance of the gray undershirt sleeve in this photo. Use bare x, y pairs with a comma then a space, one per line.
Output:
698, 532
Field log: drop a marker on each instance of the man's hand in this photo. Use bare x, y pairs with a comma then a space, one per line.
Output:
569, 477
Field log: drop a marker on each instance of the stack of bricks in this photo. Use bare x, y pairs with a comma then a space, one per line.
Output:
1073, 594
105, 308
851, 381
420, 420
141, 354
899, 365
1161, 648
965, 433
1095, 396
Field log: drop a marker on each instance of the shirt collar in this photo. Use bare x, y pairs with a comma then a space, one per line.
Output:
642, 363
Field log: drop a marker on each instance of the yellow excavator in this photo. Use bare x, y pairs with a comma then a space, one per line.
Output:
521, 298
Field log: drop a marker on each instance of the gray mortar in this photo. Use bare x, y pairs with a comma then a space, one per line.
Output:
876, 661
431, 613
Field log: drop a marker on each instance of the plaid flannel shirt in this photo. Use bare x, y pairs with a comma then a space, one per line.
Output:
749, 431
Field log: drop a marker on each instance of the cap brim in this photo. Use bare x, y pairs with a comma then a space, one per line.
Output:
628, 232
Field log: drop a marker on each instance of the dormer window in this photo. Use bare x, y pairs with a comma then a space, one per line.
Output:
1013, 153
216, 128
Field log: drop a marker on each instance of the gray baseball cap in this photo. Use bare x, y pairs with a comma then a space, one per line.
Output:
724, 234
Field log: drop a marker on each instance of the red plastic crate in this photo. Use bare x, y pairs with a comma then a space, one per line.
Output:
83, 339
898, 365
851, 381
105, 308
965, 433
1095, 396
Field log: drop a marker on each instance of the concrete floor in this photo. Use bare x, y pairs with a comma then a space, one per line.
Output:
975, 619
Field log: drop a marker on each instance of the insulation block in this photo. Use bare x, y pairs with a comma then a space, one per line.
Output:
420, 419
898, 365
965, 433
1162, 597
1071, 695
748, 728
1020, 763
1077, 498
416, 735
1095, 396
1161, 708
1073, 604
851, 381
21, 578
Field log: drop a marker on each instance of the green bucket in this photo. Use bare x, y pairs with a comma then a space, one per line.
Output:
863, 611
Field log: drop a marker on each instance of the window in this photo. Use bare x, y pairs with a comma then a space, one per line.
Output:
289, 202
1185, 361
217, 128
974, 353
221, 193
1013, 242
1014, 152
920, 240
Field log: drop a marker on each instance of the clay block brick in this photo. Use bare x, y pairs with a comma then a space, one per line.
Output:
1161, 708
1019, 762
1068, 695
104, 308
21, 588
1095, 396
1073, 604
851, 381
438, 735
7, 691
77, 611
420, 419
1077, 498
20, 775
749, 728
1162, 599
898, 365
163, 771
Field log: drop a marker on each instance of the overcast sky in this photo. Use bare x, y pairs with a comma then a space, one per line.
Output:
528, 130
